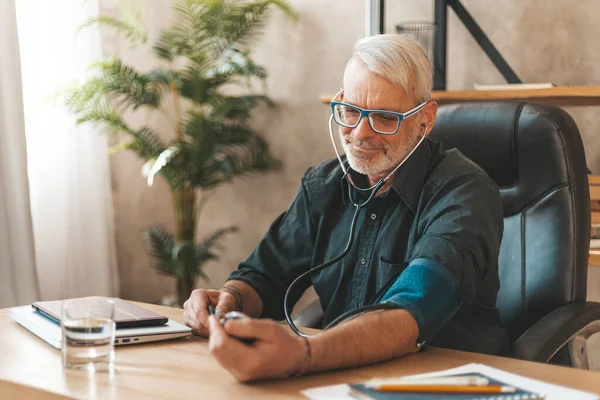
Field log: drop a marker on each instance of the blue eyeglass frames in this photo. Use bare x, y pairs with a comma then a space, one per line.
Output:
381, 121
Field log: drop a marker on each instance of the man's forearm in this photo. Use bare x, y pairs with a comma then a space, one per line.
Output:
251, 301
370, 338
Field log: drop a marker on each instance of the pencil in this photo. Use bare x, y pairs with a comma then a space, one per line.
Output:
444, 389
466, 380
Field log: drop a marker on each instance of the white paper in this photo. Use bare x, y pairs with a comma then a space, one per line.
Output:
333, 392
552, 392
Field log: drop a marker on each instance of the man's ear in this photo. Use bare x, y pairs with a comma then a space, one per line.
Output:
429, 113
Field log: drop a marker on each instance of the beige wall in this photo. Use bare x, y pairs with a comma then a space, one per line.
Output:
543, 40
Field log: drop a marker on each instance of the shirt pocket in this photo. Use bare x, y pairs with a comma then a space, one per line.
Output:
386, 274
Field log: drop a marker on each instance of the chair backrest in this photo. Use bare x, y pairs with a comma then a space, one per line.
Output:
535, 154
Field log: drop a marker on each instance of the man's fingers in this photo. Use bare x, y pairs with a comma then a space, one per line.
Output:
219, 342
197, 327
196, 313
230, 352
251, 328
225, 303
197, 301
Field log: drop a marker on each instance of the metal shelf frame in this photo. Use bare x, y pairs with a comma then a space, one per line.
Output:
375, 14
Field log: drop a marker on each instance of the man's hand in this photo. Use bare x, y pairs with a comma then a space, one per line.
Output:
275, 352
195, 309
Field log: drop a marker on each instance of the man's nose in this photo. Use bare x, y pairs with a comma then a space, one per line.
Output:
363, 130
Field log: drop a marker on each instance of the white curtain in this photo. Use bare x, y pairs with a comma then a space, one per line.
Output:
18, 279
68, 167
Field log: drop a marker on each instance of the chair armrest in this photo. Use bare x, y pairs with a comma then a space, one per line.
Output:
310, 316
571, 324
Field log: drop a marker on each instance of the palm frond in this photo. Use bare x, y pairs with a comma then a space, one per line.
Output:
193, 84
246, 21
230, 67
129, 87
211, 27
236, 109
145, 143
77, 97
160, 245
244, 159
103, 114
130, 26
157, 163
163, 78
203, 250
184, 254
88, 102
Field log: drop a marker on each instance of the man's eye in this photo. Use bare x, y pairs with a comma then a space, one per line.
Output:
351, 111
387, 117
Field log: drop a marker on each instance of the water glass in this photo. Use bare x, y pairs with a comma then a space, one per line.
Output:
88, 333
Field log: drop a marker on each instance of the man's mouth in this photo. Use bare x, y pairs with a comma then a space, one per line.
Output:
363, 148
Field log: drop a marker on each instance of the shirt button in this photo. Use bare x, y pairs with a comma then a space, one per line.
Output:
373, 216
363, 261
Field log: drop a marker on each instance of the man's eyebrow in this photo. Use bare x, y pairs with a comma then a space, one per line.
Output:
392, 109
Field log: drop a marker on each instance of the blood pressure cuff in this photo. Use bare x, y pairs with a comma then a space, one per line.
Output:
429, 292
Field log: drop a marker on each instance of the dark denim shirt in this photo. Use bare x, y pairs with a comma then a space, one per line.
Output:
440, 207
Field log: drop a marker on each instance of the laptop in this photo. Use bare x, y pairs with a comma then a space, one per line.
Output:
50, 331
127, 315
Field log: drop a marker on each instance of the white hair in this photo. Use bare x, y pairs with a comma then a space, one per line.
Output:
400, 60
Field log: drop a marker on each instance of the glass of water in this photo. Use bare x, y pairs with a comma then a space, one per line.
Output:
88, 333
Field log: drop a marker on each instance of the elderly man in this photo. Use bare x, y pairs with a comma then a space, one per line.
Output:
425, 247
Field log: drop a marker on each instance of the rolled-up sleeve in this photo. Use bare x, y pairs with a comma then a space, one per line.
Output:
461, 229
283, 254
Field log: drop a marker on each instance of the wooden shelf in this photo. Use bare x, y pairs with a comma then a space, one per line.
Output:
560, 95
594, 260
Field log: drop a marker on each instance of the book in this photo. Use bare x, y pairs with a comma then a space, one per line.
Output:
538, 388
514, 86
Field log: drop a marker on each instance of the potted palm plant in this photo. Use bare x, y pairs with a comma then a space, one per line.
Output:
205, 49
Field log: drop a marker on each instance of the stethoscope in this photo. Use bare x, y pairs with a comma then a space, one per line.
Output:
358, 206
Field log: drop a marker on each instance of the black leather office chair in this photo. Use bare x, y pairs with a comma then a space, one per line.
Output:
535, 154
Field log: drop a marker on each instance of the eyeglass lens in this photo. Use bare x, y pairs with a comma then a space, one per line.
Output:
382, 122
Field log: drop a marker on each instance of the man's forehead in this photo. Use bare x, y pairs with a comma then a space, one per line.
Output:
393, 98
367, 89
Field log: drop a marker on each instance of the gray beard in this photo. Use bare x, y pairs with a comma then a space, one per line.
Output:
381, 163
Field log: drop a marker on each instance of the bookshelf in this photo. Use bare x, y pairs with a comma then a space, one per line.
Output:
560, 95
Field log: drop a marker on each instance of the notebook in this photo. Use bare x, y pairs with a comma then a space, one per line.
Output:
360, 391
538, 388
127, 315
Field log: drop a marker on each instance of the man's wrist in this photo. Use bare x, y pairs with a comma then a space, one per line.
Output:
239, 300
304, 365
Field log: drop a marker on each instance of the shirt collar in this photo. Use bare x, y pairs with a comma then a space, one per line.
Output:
409, 180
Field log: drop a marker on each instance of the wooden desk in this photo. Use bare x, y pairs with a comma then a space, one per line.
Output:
186, 369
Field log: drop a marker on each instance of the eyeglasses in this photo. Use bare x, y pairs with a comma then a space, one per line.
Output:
381, 121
